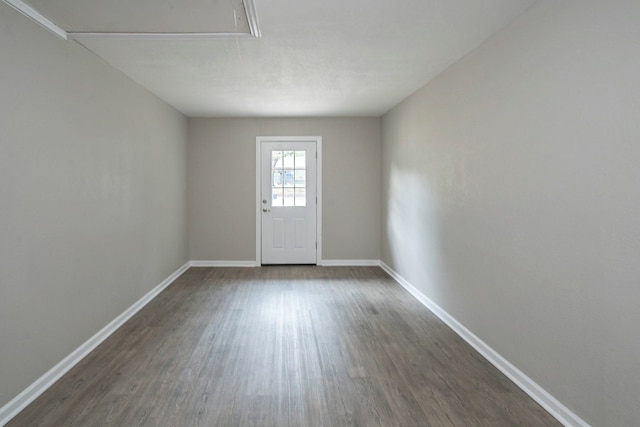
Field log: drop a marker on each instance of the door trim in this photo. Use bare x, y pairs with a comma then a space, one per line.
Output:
293, 139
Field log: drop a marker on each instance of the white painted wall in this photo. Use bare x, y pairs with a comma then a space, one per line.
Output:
511, 197
222, 185
92, 193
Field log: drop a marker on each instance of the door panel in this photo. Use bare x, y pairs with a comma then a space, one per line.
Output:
278, 233
288, 195
300, 237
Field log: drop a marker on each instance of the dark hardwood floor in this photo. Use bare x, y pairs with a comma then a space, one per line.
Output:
284, 346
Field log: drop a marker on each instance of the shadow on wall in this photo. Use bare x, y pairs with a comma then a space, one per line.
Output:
415, 246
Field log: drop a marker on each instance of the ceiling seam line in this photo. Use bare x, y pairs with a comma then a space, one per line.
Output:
157, 35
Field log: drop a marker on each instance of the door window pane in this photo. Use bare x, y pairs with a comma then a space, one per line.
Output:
301, 196
277, 198
276, 178
301, 160
289, 199
288, 178
276, 160
288, 160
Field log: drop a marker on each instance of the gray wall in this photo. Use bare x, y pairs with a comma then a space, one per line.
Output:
93, 191
222, 185
511, 197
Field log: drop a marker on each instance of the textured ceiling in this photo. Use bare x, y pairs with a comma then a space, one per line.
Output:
315, 57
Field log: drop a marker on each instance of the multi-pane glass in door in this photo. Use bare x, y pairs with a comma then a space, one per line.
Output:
288, 178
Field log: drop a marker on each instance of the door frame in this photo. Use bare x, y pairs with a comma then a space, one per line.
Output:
288, 139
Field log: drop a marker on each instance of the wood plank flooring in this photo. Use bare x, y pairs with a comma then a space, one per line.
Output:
284, 346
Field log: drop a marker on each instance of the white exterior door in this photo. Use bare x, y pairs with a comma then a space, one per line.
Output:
288, 202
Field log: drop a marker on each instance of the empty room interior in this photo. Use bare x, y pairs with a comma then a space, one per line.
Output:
288, 213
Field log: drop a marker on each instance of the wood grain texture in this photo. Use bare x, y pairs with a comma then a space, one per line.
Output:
284, 346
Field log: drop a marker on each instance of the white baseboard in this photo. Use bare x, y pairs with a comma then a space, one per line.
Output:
546, 400
223, 264
350, 263
325, 263
18, 403
537, 393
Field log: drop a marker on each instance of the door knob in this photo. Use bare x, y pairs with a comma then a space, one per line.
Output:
266, 210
